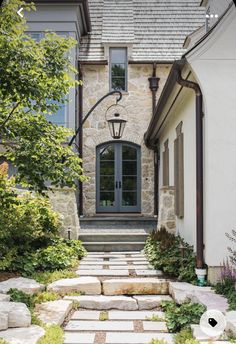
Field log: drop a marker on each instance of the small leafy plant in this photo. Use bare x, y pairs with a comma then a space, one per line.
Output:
53, 334
103, 316
185, 337
163, 252
158, 341
154, 317
46, 296
180, 317
19, 296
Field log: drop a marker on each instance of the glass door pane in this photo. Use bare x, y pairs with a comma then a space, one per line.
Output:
107, 176
129, 176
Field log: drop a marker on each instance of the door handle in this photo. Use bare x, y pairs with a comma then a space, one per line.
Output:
117, 185
120, 185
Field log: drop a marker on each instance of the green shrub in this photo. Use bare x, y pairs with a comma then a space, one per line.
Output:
158, 341
179, 317
46, 296
19, 296
163, 252
48, 277
185, 337
54, 334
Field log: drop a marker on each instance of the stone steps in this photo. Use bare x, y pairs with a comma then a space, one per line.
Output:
103, 234
116, 327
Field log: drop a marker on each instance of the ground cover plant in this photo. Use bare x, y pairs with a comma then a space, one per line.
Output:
163, 252
53, 334
179, 317
185, 337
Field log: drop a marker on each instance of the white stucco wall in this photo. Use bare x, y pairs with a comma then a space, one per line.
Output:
183, 110
214, 64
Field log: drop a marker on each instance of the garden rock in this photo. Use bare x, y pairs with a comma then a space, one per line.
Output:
4, 297
86, 285
28, 335
3, 321
18, 314
182, 291
231, 322
105, 302
54, 312
210, 300
132, 286
27, 285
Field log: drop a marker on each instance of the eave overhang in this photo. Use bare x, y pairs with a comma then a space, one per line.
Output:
150, 136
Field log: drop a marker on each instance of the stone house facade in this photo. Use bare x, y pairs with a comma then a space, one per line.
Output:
152, 35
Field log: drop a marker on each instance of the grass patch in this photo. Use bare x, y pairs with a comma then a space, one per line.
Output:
185, 337
54, 334
48, 277
2, 341
103, 316
46, 296
155, 317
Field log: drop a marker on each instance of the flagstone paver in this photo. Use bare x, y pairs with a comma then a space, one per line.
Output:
154, 326
102, 272
86, 315
79, 338
77, 325
134, 315
148, 272
134, 338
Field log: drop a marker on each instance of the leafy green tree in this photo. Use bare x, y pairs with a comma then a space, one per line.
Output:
35, 77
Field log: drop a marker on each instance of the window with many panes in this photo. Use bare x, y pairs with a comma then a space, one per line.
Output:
118, 69
59, 117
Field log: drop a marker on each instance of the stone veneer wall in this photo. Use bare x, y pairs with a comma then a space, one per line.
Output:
64, 202
166, 215
138, 103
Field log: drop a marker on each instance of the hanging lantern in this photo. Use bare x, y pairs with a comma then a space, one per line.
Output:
115, 117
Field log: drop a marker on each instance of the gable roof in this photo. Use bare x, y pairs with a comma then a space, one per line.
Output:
155, 28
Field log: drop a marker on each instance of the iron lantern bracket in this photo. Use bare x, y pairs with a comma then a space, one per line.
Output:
78, 130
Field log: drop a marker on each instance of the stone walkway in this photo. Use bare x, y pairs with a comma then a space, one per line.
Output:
127, 310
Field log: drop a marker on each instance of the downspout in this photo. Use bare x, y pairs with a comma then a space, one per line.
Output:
154, 85
80, 143
199, 165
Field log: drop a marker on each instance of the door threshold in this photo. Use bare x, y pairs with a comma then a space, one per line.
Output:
118, 215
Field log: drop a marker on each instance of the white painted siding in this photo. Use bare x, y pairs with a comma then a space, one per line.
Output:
185, 112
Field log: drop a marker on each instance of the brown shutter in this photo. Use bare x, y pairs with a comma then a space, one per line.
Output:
179, 172
165, 159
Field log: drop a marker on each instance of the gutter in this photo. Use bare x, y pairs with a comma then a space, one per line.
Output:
151, 141
199, 165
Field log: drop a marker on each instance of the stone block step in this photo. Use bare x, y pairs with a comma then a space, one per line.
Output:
103, 302
23, 335
150, 301
117, 237
148, 272
103, 262
54, 312
84, 325
137, 338
87, 285
121, 222
155, 326
136, 286
116, 245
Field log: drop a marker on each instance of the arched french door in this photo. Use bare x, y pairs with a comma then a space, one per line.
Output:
118, 174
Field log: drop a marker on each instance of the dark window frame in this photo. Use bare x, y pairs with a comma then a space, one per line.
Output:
126, 68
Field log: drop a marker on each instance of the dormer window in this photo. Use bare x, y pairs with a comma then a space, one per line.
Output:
118, 69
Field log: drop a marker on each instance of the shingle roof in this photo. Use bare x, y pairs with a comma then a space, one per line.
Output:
155, 28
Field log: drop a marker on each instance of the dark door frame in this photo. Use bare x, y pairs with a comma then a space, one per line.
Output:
118, 173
